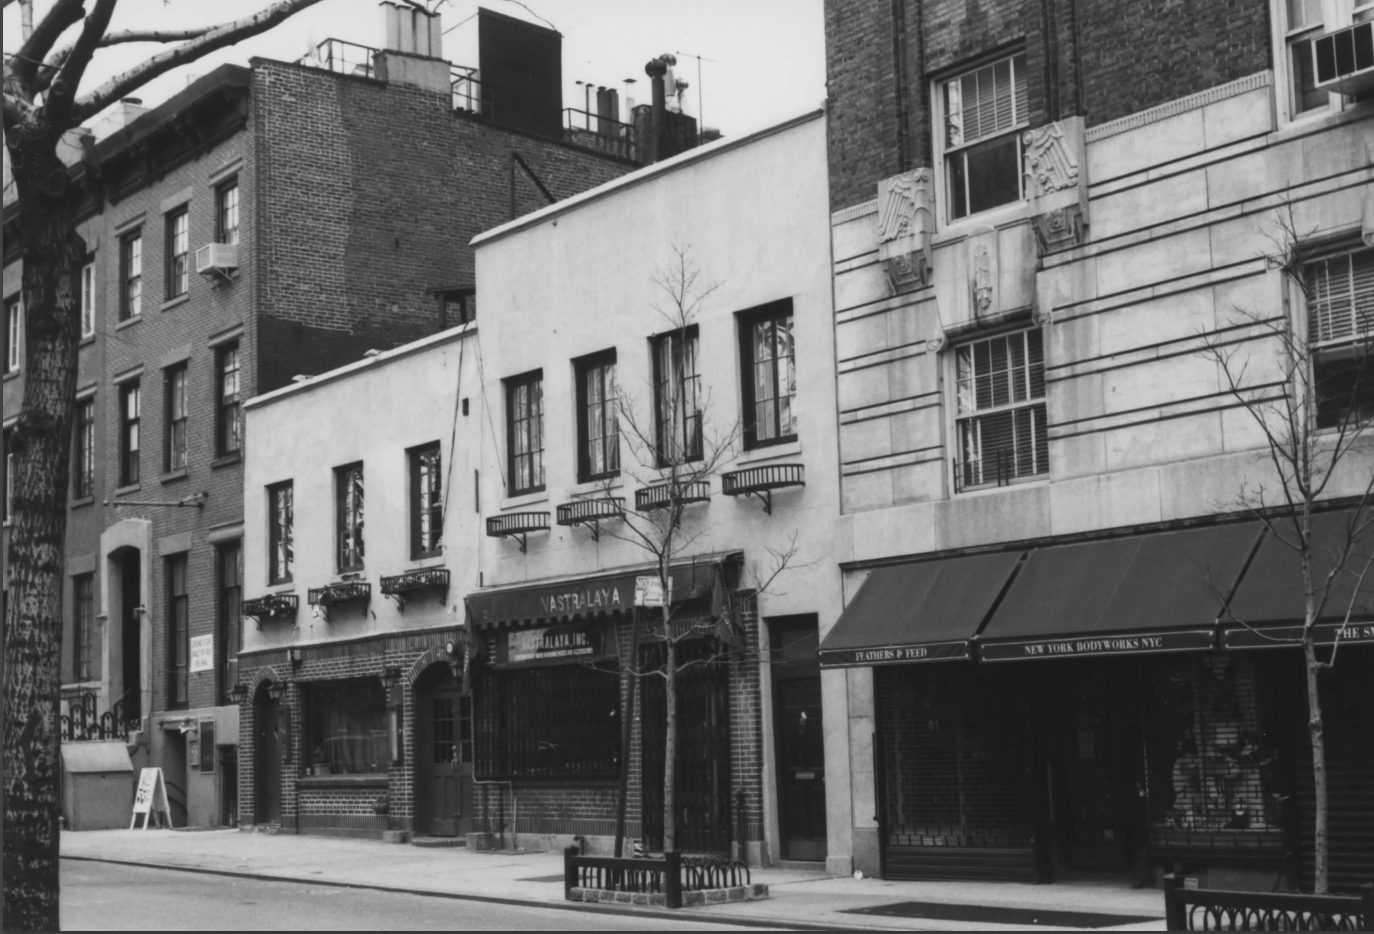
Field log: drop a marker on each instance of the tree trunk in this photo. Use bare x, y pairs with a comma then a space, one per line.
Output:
1320, 856
52, 256
670, 747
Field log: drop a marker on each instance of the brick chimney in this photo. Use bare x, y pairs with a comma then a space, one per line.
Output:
414, 50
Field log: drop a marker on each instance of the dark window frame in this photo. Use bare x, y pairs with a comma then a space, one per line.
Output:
225, 205
83, 628
174, 450
457, 306
83, 453
177, 252
425, 467
349, 553
281, 535
601, 366
769, 314
178, 631
961, 199
14, 334
130, 440
316, 738
131, 275
228, 400
229, 614
528, 429
688, 359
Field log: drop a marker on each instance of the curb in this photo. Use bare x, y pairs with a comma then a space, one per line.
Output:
682, 914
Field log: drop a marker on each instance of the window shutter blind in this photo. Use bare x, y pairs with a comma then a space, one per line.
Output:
1340, 297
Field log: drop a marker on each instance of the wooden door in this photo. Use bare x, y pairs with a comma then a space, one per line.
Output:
444, 762
271, 736
801, 768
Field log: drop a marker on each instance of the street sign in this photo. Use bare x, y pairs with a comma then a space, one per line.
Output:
203, 653
649, 591
151, 799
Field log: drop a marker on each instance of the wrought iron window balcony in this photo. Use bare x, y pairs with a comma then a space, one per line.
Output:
398, 586
659, 496
762, 481
272, 606
996, 468
590, 512
340, 592
517, 525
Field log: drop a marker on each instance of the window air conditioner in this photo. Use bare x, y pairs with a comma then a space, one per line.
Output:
1344, 59
217, 258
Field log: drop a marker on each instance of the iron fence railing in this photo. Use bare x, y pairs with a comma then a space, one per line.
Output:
81, 722
595, 131
994, 468
344, 58
1222, 910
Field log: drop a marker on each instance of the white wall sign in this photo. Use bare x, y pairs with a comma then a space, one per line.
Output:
649, 591
202, 653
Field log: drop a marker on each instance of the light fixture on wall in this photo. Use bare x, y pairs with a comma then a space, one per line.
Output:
238, 693
390, 678
276, 690
293, 654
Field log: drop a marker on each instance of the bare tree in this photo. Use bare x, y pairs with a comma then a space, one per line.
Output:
677, 449
1313, 414
43, 99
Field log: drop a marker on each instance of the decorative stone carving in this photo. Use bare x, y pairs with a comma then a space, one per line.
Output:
1367, 215
935, 344
905, 223
983, 272
1056, 182
1043, 316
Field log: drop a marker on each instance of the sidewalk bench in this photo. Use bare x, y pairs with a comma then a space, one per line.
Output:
1224, 910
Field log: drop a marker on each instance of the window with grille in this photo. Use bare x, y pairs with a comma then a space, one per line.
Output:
83, 473
229, 557
88, 300
525, 414
426, 501
598, 425
677, 397
175, 458
178, 247
178, 636
130, 413
985, 109
1001, 410
1340, 325
131, 276
227, 213
14, 316
559, 721
281, 517
348, 491
229, 427
83, 651
770, 377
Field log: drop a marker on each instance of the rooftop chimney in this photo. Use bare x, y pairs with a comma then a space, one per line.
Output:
658, 148
412, 30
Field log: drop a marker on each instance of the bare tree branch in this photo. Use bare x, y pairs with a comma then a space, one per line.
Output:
69, 76
28, 59
58, 58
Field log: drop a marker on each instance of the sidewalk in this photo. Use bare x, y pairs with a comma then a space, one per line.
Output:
800, 898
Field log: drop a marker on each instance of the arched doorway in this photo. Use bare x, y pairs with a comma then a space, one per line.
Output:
269, 734
443, 755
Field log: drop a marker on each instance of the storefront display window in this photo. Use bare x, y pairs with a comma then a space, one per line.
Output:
346, 727
557, 721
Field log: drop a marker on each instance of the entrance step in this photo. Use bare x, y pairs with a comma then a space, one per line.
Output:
439, 841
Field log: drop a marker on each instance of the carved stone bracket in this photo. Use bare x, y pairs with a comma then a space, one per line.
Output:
1367, 215
935, 344
983, 273
905, 225
1056, 181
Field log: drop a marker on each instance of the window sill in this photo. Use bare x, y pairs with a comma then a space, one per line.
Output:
425, 561
371, 780
1320, 121
1007, 215
128, 322
770, 451
86, 340
173, 476
225, 460
992, 488
129, 488
11, 374
83, 501
181, 299
524, 499
80, 686
593, 487
282, 587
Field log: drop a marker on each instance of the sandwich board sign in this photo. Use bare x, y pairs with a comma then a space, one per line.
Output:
150, 799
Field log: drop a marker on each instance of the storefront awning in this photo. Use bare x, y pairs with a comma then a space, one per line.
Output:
1269, 605
591, 595
920, 612
1161, 592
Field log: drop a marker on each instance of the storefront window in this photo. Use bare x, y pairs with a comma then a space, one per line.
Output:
1212, 769
346, 727
558, 721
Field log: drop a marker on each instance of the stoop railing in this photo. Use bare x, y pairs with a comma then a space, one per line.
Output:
1223, 910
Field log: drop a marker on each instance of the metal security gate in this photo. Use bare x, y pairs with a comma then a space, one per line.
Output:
703, 792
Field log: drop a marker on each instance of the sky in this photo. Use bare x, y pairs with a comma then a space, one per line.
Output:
766, 57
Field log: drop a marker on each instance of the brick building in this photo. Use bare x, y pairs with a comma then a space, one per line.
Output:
1043, 214
267, 222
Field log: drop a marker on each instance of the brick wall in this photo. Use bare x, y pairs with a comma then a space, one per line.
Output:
1094, 57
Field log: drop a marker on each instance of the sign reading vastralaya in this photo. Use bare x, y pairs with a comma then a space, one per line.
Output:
537, 645
1124, 644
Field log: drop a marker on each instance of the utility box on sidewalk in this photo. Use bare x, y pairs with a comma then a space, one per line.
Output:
97, 785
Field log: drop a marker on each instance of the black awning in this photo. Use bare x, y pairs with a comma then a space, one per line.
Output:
1161, 592
920, 612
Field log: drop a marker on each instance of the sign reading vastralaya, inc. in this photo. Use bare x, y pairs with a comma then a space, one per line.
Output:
537, 645
1195, 640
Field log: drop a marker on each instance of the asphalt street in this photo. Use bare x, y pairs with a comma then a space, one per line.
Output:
108, 897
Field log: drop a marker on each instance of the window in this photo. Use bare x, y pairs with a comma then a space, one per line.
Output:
559, 721
426, 501
175, 458
1340, 316
178, 245
1001, 409
345, 727
229, 427
280, 521
14, 315
227, 213
131, 276
770, 378
984, 110
348, 490
525, 409
83, 628
598, 426
457, 306
1303, 22
178, 639
677, 397
83, 480
129, 410
8, 504
229, 557
88, 300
